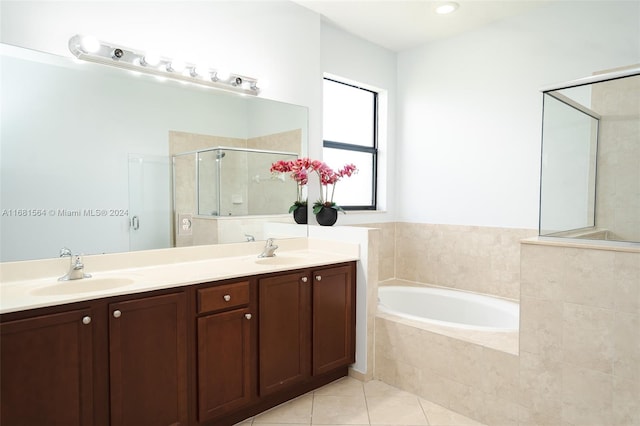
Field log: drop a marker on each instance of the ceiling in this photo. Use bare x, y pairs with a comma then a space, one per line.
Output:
400, 24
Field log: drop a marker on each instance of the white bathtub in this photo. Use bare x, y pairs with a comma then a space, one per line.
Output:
449, 308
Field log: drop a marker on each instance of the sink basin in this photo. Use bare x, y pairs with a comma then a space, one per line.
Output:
281, 260
85, 285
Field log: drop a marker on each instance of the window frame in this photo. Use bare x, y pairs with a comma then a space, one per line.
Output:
373, 150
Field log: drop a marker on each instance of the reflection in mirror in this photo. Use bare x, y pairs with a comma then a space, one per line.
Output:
590, 181
217, 184
86, 154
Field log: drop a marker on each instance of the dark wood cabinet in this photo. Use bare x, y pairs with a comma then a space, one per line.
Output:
333, 318
54, 365
307, 325
46, 370
285, 331
147, 360
209, 354
225, 350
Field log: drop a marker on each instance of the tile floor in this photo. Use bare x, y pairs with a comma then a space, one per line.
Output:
351, 402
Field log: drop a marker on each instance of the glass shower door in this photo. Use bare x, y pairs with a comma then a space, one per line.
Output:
149, 202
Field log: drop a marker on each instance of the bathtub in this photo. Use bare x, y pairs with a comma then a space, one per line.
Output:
450, 308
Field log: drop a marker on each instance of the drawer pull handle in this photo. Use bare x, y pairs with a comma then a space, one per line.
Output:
117, 314
305, 279
86, 320
318, 277
226, 297
247, 316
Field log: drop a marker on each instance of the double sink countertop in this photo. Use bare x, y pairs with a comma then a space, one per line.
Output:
34, 284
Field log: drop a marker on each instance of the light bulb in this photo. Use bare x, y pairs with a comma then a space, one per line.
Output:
447, 8
223, 75
89, 44
176, 66
150, 59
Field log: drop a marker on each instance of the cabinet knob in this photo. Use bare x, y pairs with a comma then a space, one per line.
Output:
318, 277
226, 297
117, 314
304, 279
247, 316
86, 320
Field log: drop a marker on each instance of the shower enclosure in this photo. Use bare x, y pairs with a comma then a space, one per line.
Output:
590, 174
225, 181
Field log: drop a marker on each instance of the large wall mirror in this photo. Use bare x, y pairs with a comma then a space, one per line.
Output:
88, 155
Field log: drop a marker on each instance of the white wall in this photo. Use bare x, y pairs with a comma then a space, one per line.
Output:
351, 58
470, 108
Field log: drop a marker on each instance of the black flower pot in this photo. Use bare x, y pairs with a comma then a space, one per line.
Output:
327, 216
300, 215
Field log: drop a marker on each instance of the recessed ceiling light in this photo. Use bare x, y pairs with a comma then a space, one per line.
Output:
446, 8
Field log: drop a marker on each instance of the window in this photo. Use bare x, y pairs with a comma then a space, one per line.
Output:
350, 131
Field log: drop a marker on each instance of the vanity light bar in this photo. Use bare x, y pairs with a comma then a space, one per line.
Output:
90, 49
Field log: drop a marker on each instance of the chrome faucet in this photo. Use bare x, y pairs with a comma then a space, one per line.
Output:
250, 238
269, 249
76, 267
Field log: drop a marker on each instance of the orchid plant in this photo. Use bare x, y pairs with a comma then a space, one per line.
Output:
329, 177
299, 171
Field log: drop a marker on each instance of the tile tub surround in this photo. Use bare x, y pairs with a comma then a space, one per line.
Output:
386, 248
579, 346
463, 376
580, 339
472, 258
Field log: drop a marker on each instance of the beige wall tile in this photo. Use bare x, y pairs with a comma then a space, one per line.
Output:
500, 411
385, 249
541, 388
587, 277
626, 401
626, 342
440, 390
472, 258
626, 274
587, 337
501, 375
586, 396
471, 403
541, 327
540, 268
466, 363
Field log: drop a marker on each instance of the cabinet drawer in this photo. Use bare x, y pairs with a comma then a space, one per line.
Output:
223, 297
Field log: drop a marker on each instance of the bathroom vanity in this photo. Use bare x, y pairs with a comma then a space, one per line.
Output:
212, 352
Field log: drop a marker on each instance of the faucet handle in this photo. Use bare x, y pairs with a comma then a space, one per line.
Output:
270, 242
65, 252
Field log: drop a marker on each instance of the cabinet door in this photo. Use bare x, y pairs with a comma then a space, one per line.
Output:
46, 370
224, 362
147, 357
333, 318
284, 331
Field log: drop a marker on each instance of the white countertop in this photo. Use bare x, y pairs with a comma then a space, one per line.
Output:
18, 294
